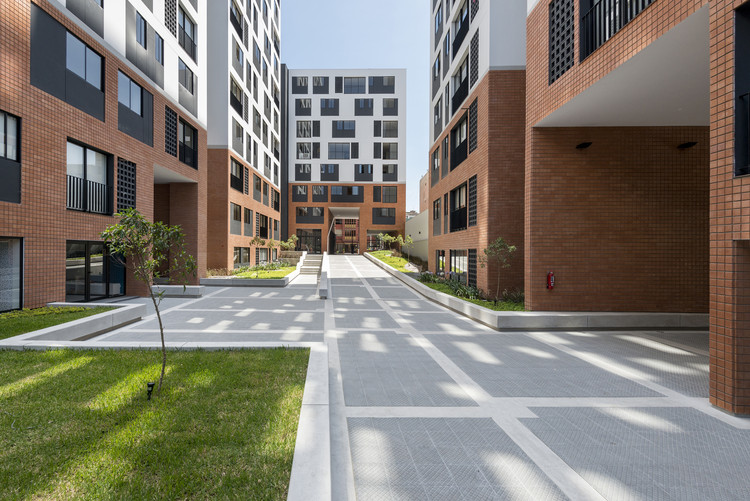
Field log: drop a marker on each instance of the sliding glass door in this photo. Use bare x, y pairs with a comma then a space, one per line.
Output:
91, 273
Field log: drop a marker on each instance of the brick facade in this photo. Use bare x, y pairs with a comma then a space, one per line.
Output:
41, 218
365, 212
498, 164
220, 194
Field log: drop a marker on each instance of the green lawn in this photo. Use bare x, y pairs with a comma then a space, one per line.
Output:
500, 306
387, 258
18, 322
77, 425
280, 273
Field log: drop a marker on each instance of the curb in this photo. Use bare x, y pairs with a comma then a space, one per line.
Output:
524, 320
83, 328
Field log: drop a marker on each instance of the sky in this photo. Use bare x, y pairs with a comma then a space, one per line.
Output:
335, 34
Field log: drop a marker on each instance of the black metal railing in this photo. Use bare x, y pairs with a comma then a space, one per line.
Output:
236, 182
458, 37
458, 219
235, 103
460, 95
188, 156
236, 23
88, 196
742, 140
187, 43
604, 19
459, 154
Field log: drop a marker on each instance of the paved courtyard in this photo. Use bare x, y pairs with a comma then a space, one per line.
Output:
426, 404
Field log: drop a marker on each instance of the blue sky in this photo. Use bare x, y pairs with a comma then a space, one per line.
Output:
361, 34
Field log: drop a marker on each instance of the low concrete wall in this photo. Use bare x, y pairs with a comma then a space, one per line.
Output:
552, 319
192, 291
253, 282
323, 283
84, 328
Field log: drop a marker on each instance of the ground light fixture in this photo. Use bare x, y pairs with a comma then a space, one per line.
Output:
584, 145
687, 145
149, 389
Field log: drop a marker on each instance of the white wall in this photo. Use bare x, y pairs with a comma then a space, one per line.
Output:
364, 124
418, 230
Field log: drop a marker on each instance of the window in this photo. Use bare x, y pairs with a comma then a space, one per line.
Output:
458, 208
458, 143
9, 136
390, 172
89, 186
304, 128
303, 107
741, 92
438, 21
319, 193
383, 215
363, 107
435, 170
343, 128
304, 151
141, 30
390, 194
302, 172
235, 96
363, 168
459, 265
320, 85
329, 172
185, 76
376, 194
235, 224
187, 35
390, 106
338, 151
248, 223
390, 128
300, 193
188, 136
436, 217
354, 85
446, 156
159, 48
390, 151
241, 256
236, 175
83, 61
129, 93
329, 107
382, 85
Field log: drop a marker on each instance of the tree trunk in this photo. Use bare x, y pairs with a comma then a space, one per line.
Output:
163, 346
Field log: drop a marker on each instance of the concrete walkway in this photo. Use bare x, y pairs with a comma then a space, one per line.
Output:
429, 405
423, 403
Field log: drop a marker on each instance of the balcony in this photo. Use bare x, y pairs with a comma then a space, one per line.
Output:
235, 103
188, 156
88, 196
458, 37
236, 23
604, 19
187, 43
460, 95
458, 219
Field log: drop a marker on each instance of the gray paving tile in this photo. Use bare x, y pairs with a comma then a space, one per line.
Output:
177, 336
364, 320
349, 291
258, 303
251, 321
442, 321
355, 303
515, 365
288, 292
395, 293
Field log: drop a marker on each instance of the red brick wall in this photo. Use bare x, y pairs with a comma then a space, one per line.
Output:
498, 164
730, 229
42, 219
424, 192
221, 243
623, 224
365, 212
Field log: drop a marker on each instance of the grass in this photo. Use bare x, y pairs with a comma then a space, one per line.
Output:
18, 322
280, 273
397, 262
500, 306
77, 425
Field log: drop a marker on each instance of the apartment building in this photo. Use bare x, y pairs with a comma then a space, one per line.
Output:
636, 167
476, 165
102, 107
244, 132
345, 157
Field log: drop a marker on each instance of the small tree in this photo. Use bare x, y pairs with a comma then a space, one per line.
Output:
386, 239
290, 244
406, 244
257, 241
498, 253
148, 247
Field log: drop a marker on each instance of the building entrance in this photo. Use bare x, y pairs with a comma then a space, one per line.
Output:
310, 241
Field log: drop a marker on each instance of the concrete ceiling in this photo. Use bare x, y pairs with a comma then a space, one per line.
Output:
667, 83
345, 212
162, 175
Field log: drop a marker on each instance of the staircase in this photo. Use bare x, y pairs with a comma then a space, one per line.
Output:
311, 264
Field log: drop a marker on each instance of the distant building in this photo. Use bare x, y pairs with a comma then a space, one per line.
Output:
424, 192
411, 214
345, 157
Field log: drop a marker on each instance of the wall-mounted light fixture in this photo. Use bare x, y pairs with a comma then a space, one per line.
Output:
687, 145
583, 146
